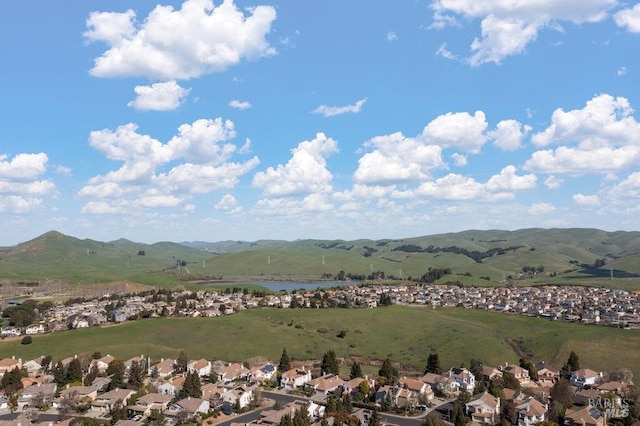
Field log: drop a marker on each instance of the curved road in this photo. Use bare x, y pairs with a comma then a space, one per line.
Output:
284, 398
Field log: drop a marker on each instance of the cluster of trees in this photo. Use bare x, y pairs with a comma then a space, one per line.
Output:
476, 255
434, 274
26, 313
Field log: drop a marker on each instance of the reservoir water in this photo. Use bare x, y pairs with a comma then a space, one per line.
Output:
289, 286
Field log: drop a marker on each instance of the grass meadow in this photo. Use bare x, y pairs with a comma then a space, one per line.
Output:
406, 335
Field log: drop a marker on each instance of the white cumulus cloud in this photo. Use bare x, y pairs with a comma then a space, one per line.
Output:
197, 39
22, 188
396, 158
602, 137
457, 130
508, 27
167, 96
197, 160
508, 134
228, 204
629, 18
305, 173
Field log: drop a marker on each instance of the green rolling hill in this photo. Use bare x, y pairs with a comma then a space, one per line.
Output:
474, 257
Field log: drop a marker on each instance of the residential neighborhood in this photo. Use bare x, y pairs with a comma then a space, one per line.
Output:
201, 391
582, 304
147, 388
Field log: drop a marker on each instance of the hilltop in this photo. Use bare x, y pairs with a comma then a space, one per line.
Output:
472, 257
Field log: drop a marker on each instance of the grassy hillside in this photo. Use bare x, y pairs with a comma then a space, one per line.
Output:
480, 257
57, 256
372, 335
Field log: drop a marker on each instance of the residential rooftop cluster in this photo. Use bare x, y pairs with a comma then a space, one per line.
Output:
137, 390
587, 305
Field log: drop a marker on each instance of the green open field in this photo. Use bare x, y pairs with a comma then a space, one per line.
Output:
404, 334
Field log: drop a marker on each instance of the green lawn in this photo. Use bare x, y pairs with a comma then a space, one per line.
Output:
404, 334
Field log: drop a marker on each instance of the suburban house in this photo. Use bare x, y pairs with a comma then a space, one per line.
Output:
273, 417
265, 372
239, 395
101, 383
173, 386
521, 374
150, 401
11, 332
34, 367
585, 396
8, 364
324, 385
490, 373
422, 389
547, 375
441, 384
586, 416
142, 362
213, 393
200, 366
400, 397
78, 393
295, 378
584, 377
34, 329
163, 368
109, 400
45, 391
530, 411
102, 363
463, 377
232, 372
190, 406
484, 409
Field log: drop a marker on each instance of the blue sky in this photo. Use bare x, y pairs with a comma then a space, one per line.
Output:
215, 120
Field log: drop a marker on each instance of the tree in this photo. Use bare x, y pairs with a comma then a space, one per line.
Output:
458, 416
475, 367
510, 381
191, 386
59, 374
573, 362
156, 418
330, 363
136, 375
528, 365
356, 370
432, 419
433, 364
388, 371
563, 393
91, 375
285, 363
375, 418
301, 416
364, 388
181, 363
12, 381
26, 340
74, 371
116, 370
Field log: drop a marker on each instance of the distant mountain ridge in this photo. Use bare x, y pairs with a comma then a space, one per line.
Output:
489, 255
